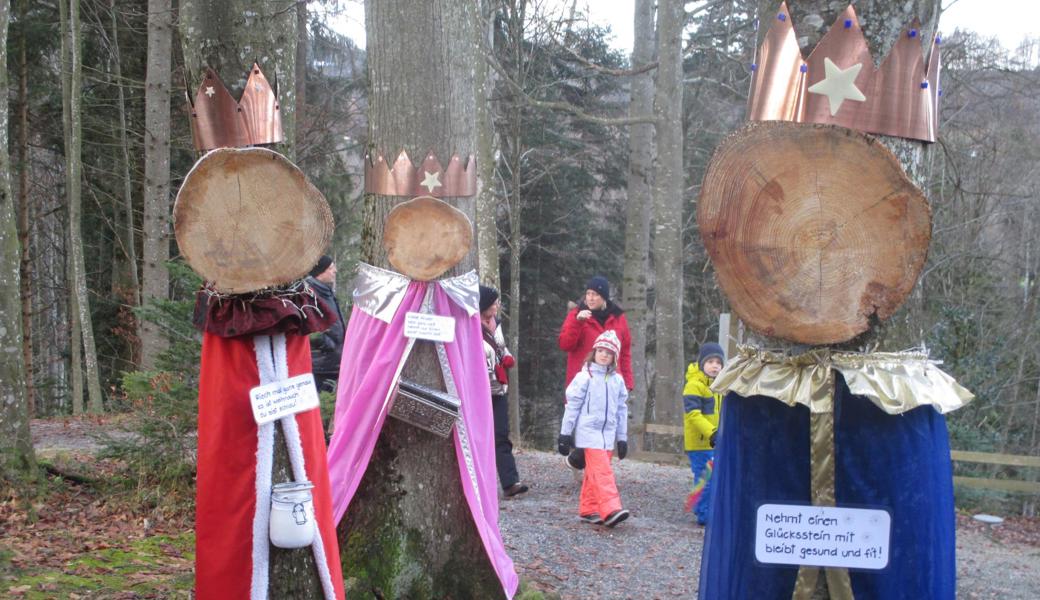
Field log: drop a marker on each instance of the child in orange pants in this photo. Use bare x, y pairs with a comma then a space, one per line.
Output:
596, 416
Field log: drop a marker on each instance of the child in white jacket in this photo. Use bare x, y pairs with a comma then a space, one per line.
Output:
596, 416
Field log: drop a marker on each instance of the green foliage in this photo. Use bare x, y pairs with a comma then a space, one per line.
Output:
157, 443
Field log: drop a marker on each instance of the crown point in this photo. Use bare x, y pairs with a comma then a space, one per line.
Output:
912, 33
848, 23
781, 17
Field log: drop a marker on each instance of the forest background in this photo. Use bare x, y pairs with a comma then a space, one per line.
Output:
112, 333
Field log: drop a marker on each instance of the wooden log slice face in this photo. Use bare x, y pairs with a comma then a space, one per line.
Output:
812, 229
248, 219
424, 237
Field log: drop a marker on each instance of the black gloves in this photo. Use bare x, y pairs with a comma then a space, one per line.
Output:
711, 440
622, 449
564, 444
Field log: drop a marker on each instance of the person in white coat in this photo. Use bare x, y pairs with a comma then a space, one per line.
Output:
595, 419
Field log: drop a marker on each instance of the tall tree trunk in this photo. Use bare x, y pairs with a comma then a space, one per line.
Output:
155, 242
72, 93
637, 222
300, 81
408, 531
25, 210
228, 37
668, 203
17, 460
127, 284
487, 203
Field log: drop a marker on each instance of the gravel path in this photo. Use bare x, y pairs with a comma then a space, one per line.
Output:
656, 553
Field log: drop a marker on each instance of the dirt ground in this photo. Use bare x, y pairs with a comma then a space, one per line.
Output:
655, 554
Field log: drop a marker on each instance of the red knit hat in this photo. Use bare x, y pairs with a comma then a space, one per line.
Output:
608, 340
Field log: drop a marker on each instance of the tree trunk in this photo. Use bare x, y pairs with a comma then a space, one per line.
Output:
487, 207
24, 211
72, 93
300, 82
127, 285
228, 37
408, 531
155, 242
637, 222
17, 460
668, 202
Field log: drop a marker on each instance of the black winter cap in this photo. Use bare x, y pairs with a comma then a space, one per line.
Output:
600, 285
488, 295
323, 263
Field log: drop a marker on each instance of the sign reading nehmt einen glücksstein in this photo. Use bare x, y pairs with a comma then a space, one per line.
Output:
823, 536
273, 401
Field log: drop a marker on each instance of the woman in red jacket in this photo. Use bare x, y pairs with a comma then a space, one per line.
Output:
584, 323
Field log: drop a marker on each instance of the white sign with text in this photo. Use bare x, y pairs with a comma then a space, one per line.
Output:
429, 327
822, 536
283, 398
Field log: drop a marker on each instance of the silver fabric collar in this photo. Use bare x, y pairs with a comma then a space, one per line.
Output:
379, 292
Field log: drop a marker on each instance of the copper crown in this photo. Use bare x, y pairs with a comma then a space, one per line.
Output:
217, 121
838, 84
428, 179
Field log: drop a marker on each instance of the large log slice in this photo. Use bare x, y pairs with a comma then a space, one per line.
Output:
424, 237
812, 229
247, 219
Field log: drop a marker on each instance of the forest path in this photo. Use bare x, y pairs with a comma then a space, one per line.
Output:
655, 553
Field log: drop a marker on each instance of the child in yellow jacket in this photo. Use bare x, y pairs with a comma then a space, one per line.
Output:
701, 423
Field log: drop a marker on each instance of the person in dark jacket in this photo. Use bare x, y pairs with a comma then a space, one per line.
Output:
498, 360
326, 347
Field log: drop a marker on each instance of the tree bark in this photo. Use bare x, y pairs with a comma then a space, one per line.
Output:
300, 82
17, 460
72, 92
668, 202
155, 242
637, 222
228, 37
127, 284
24, 211
408, 531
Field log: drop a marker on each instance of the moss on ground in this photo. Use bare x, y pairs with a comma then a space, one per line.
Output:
156, 566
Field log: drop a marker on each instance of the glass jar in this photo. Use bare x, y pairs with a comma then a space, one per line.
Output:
292, 515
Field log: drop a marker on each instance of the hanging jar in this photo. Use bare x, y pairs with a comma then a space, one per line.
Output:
292, 515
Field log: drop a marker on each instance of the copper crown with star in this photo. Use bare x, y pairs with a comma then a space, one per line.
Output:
430, 178
839, 85
218, 121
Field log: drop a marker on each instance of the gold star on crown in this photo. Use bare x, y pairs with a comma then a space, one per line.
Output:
218, 121
838, 83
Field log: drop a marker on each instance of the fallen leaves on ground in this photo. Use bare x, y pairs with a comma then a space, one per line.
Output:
1019, 530
77, 539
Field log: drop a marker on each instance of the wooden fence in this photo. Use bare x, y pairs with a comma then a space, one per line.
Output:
1006, 485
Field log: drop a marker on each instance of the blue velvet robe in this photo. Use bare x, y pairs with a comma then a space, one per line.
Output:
897, 462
